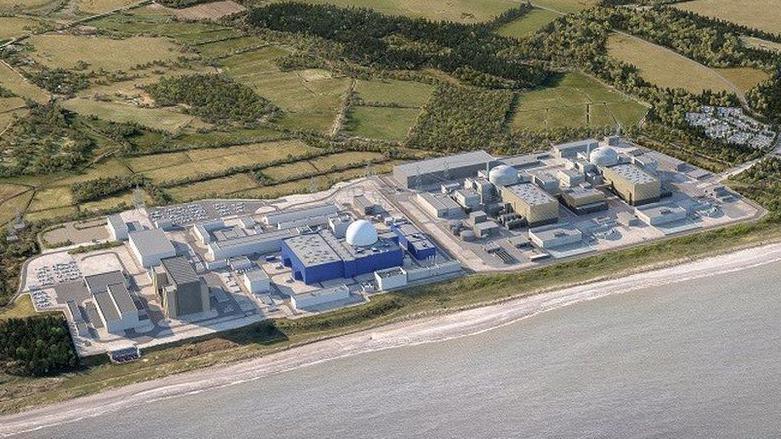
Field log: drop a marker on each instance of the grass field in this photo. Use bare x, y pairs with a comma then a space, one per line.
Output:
101, 6
9, 207
329, 162
758, 43
290, 170
19, 86
218, 187
61, 50
465, 11
21, 308
745, 78
664, 67
16, 26
310, 98
210, 11
576, 100
385, 123
394, 92
760, 14
156, 118
224, 48
566, 6
27, 6
52, 198
58, 212
528, 24
193, 163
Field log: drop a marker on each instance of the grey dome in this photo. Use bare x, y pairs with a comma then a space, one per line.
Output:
603, 156
503, 175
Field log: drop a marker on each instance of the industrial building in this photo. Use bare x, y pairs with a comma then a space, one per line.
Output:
555, 236
532, 203
584, 200
181, 291
256, 281
572, 149
115, 306
310, 215
117, 228
318, 257
433, 171
414, 241
150, 246
391, 278
320, 297
634, 185
439, 205
657, 215
241, 243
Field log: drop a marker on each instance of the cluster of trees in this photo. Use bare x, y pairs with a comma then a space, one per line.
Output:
182, 3
212, 97
373, 39
36, 346
690, 35
762, 183
45, 141
6, 93
765, 98
59, 80
98, 188
461, 118
12, 256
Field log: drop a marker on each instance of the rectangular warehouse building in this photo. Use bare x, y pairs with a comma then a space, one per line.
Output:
181, 290
439, 205
318, 257
531, 202
584, 200
115, 306
434, 171
150, 246
414, 241
316, 212
632, 184
224, 246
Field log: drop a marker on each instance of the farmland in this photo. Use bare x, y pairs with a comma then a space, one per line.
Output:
61, 50
758, 43
575, 100
527, 24
19, 86
566, 6
101, 6
381, 122
745, 13
664, 67
310, 98
16, 26
160, 119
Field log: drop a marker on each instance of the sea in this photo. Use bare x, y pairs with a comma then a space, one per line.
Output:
695, 359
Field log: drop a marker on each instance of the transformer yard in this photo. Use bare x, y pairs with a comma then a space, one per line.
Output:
149, 276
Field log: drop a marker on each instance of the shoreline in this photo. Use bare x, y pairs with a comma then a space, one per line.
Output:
407, 333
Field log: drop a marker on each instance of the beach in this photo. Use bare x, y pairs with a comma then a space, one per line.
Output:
427, 330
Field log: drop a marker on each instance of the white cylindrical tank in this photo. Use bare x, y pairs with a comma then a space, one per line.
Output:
603, 156
503, 175
361, 233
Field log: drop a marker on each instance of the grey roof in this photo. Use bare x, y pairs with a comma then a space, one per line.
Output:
439, 201
122, 298
584, 192
555, 231
116, 221
179, 270
362, 202
521, 161
530, 193
577, 145
486, 225
99, 283
152, 241
258, 274
632, 173
257, 237
440, 164
106, 306
312, 249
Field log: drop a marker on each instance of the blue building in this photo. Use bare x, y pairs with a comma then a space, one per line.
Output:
414, 241
318, 257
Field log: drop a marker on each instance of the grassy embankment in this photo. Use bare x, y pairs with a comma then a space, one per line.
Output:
268, 337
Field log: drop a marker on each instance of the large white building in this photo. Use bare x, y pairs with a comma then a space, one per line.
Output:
116, 308
150, 246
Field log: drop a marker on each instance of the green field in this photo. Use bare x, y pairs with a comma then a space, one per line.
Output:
392, 92
62, 50
332, 161
528, 24
664, 67
310, 98
224, 48
156, 118
21, 87
745, 78
760, 14
218, 187
101, 6
27, 6
465, 11
566, 6
576, 100
385, 123
16, 26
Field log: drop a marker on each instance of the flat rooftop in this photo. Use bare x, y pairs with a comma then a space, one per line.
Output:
577, 145
312, 249
439, 201
632, 173
555, 231
152, 241
530, 193
441, 164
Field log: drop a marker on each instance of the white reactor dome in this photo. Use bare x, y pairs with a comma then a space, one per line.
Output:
361, 233
503, 175
603, 156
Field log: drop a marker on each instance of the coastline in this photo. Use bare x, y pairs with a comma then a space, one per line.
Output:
413, 332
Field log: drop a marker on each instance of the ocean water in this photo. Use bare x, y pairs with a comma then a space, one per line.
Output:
698, 359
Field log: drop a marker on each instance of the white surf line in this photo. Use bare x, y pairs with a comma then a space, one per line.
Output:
415, 332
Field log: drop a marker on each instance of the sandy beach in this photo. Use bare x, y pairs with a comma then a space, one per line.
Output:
427, 330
